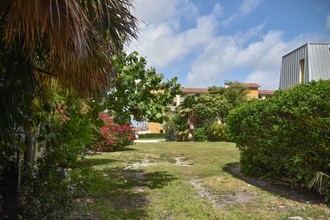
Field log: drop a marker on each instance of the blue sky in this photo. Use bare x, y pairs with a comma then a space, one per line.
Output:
205, 42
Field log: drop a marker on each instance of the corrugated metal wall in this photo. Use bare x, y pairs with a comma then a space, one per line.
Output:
319, 61
317, 64
290, 70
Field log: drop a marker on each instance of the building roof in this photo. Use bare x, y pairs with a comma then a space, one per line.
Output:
305, 45
251, 85
194, 90
205, 90
266, 92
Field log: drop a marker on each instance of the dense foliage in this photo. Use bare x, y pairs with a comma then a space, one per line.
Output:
139, 92
204, 116
152, 135
45, 46
287, 136
66, 127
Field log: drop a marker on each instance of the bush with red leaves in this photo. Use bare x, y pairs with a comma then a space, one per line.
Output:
115, 136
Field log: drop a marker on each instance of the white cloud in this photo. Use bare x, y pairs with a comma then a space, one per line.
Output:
213, 63
225, 55
250, 56
244, 37
266, 79
261, 54
163, 43
246, 8
249, 6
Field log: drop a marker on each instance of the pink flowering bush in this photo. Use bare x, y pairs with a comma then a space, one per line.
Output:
115, 136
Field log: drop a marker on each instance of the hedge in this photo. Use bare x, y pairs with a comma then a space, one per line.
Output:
286, 137
152, 135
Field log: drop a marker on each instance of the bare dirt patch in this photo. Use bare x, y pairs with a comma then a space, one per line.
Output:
178, 160
137, 165
182, 161
221, 200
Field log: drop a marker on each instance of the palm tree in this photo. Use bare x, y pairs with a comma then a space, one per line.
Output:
186, 111
69, 39
67, 42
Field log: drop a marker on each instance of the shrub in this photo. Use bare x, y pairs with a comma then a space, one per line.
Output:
152, 135
170, 131
115, 136
55, 199
47, 189
200, 135
216, 132
286, 136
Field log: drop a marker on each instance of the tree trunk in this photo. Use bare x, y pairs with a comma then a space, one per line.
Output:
28, 154
19, 174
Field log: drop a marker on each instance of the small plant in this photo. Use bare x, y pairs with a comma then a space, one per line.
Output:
216, 132
321, 182
115, 136
200, 135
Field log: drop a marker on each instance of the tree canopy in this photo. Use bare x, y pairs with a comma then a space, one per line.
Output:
67, 42
206, 111
46, 47
138, 91
69, 39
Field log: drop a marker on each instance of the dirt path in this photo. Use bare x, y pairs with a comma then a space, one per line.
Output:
234, 169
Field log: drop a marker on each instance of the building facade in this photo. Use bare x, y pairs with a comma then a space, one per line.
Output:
306, 63
188, 91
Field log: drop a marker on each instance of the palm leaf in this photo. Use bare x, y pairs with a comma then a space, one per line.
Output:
75, 38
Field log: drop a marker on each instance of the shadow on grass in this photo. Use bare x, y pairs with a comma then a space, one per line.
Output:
279, 188
96, 162
119, 193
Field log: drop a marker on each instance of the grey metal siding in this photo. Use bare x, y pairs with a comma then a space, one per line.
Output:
319, 56
290, 70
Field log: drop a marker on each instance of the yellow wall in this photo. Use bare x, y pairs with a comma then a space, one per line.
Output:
154, 127
253, 93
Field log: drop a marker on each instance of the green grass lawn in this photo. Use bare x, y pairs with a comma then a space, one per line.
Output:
173, 180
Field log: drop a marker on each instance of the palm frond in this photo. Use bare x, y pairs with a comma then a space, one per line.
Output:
318, 181
77, 38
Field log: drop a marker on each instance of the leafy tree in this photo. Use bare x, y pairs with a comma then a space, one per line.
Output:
67, 41
139, 92
234, 92
187, 110
208, 110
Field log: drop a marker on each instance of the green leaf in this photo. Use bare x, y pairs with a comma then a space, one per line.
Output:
84, 134
21, 147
